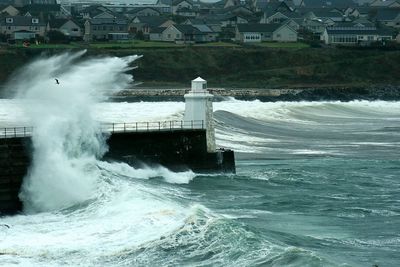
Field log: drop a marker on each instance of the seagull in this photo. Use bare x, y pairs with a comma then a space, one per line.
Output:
57, 82
5, 225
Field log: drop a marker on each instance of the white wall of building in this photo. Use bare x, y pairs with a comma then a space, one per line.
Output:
285, 34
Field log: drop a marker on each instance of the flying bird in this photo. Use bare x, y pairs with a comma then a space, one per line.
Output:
57, 82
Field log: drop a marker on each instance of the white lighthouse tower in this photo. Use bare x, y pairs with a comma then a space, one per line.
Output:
199, 110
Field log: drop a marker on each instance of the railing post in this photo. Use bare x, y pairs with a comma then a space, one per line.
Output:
171, 124
159, 126
15, 132
113, 128
192, 123
24, 131
136, 126
202, 124
147, 126
181, 125
124, 127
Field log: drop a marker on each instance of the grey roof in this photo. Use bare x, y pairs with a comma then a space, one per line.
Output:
152, 21
22, 21
387, 13
57, 23
358, 30
186, 9
258, 27
177, 2
157, 30
194, 21
187, 29
203, 28
138, 9
118, 21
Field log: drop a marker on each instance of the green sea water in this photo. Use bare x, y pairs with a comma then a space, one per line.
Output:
317, 184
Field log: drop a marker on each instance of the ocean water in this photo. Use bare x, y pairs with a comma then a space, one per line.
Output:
317, 183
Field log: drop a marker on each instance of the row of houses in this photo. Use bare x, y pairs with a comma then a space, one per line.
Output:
333, 22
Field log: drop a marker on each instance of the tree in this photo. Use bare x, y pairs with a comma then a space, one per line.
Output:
139, 35
57, 37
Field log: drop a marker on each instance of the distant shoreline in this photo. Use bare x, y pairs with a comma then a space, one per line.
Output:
340, 93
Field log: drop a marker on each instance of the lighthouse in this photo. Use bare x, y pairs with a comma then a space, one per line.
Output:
199, 108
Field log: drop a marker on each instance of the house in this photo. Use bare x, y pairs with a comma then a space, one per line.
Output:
316, 26
226, 20
209, 34
275, 6
389, 17
21, 27
142, 11
278, 16
351, 36
340, 4
187, 12
96, 11
211, 22
9, 11
156, 34
183, 34
363, 22
68, 27
385, 3
181, 4
252, 33
106, 29
145, 24
324, 15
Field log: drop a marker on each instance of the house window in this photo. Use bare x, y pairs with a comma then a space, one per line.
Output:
104, 28
178, 36
8, 28
169, 36
95, 28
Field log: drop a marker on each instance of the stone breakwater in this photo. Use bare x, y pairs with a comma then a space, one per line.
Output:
386, 92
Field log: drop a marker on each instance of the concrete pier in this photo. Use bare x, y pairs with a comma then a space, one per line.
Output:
169, 144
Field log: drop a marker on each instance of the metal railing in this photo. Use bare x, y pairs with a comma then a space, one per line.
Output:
152, 126
12, 132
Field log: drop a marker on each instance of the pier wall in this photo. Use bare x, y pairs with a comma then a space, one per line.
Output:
178, 150
15, 159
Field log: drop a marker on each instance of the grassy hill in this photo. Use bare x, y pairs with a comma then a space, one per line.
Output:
262, 66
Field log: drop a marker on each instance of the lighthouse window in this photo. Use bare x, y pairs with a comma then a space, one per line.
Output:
204, 86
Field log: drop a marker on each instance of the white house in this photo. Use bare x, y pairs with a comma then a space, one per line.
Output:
254, 33
354, 35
